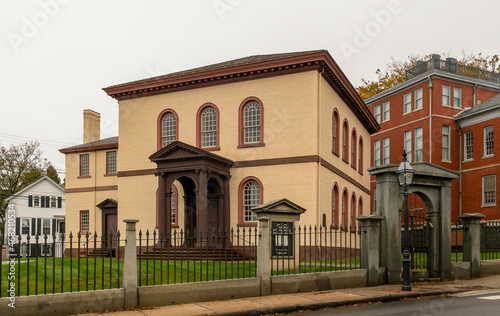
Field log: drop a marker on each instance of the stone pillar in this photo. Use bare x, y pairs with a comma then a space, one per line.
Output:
471, 242
370, 245
130, 266
264, 257
445, 232
202, 202
389, 202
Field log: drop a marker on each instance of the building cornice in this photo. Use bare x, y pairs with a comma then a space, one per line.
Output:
320, 61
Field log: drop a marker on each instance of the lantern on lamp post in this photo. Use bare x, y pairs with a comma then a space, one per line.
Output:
405, 176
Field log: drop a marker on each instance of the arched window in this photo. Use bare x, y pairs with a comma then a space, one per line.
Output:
335, 131
354, 139
249, 196
173, 206
168, 128
344, 209
345, 142
251, 123
360, 155
353, 212
208, 127
335, 206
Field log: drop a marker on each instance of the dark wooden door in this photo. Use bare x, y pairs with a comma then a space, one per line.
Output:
213, 211
111, 228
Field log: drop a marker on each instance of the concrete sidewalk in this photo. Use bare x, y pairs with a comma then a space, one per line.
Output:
314, 300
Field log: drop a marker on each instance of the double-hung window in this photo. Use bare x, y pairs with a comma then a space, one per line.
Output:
488, 141
418, 144
446, 143
407, 103
376, 113
84, 165
387, 110
407, 145
489, 190
468, 145
376, 153
25, 226
386, 150
457, 97
446, 95
419, 98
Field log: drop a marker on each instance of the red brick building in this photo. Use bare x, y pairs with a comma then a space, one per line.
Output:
427, 116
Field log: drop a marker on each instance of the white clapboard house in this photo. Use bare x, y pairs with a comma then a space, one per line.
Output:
39, 211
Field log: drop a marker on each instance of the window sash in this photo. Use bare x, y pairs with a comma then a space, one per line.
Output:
418, 98
469, 142
251, 123
386, 150
209, 128
25, 226
457, 97
53, 201
111, 162
489, 190
36, 200
84, 165
251, 198
407, 103
446, 95
387, 111
169, 129
407, 145
84, 221
46, 227
446, 143
376, 153
172, 206
376, 113
418, 144
488, 140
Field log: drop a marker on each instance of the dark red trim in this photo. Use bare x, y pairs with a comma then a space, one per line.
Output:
345, 208
360, 155
344, 175
241, 133
198, 126
134, 173
84, 177
335, 131
335, 199
92, 189
354, 154
275, 161
360, 206
345, 141
241, 222
160, 127
353, 211
88, 148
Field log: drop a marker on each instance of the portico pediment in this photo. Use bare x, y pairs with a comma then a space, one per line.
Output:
179, 151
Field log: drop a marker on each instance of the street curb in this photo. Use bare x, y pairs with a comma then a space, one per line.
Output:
318, 305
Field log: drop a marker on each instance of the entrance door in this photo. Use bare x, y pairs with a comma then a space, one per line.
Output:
111, 224
213, 219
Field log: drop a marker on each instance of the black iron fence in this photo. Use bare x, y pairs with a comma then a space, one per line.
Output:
73, 263
312, 249
457, 240
196, 257
490, 240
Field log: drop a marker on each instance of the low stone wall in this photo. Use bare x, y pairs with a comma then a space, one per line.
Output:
64, 303
322, 281
161, 295
490, 267
461, 270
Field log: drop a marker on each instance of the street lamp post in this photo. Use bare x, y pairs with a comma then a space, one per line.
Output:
405, 175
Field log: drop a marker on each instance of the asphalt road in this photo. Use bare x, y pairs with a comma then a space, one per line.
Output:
475, 303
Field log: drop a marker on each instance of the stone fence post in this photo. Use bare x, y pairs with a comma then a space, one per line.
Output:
471, 242
130, 266
264, 257
370, 246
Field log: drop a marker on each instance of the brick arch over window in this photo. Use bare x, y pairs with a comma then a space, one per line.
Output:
247, 198
335, 131
345, 209
360, 155
174, 208
345, 141
354, 154
335, 206
353, 212
165, 129
207, 127
251, 123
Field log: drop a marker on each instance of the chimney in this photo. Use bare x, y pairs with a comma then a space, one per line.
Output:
91, 126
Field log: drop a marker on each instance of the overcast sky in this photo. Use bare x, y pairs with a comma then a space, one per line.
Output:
57, 55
